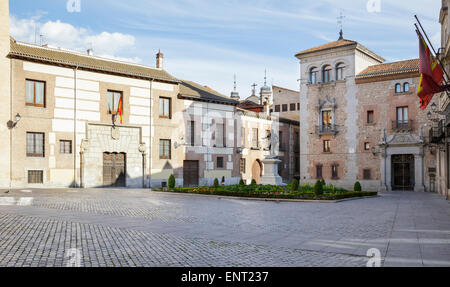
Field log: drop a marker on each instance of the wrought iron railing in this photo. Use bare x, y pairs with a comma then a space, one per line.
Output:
402, 125
327, 129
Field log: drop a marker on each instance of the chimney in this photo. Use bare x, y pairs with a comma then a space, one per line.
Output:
90, 52
159, 60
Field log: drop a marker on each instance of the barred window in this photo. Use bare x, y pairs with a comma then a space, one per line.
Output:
292, 107
220, 162
165, 149
319, 174
35, 177
65, 147
335, 171
35, 145
242, 166
367, 174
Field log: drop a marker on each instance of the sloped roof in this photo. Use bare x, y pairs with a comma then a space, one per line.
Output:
73, 59
194, 91
340, 44
401, 67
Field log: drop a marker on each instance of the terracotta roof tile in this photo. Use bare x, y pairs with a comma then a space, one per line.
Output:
196, 91
400, 67
62, 57
331, 45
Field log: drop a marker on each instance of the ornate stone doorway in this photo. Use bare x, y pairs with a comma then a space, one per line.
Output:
114, 169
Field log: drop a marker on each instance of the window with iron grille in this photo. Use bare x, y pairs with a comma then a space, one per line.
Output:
35, 93
65, 147
35, 177
220, 162
292, 107
335, 171
165, 149
370, 118
220, 135
285, 108
367, 174
319, 174
277, 108
191, 128
35, 144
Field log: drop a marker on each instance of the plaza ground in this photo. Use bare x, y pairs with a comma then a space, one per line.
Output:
143, 228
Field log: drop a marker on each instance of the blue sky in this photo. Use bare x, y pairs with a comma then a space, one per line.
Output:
209, 41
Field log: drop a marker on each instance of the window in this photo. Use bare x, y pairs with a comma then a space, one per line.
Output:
255, 140
220, 135
35, 145
406, 87
165, 108
313, 75
243, 165
220, 162
367, 174
65, 147
366, 146
334, 171
326, 74
326, 146
298, 106
277, 108
326, 118
340, 71
285, 108
165, 149
35, 177
370, 117
319, 171
402, 115
292, 107
191, 127
280, 140
35, 93
398, 88
114, 99
297, 164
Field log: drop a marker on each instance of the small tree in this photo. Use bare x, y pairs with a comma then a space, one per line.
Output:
294, 185
253, 182
242, 183
172, 182
318, 188
357, 187
223, 180
324, 184
216, 183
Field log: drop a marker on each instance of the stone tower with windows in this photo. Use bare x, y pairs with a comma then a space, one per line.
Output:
5, 84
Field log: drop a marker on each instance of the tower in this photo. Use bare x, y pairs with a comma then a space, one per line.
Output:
234, 93
266, 92
160, 60
5, 96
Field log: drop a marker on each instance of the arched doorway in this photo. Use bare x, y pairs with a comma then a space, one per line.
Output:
257, 170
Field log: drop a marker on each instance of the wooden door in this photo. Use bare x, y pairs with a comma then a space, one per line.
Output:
191, 173
114, 169
403, 172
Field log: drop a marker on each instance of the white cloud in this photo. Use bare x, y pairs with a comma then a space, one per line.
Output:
65, 35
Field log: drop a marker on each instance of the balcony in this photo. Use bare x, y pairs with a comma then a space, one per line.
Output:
327, 130
437, 133
402, 126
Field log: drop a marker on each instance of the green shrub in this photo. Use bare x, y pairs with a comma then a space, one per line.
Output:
318, 188
357, 187
216, 183
242, 183
253, 182
172, 182
294, 185
324, 184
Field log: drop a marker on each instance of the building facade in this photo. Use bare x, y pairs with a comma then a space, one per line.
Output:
361, 121
286, 102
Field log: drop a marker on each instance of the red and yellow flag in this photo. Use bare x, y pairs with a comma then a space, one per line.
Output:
120, 110
431, 75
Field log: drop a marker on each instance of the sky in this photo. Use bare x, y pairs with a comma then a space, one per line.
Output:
210, 41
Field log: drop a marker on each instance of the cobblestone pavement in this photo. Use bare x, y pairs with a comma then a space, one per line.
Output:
142, 228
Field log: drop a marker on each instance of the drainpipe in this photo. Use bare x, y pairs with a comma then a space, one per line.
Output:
75, 128
10, 130
150, 143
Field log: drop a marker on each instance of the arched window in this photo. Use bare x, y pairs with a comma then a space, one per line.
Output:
326, 74
398, 88
313, 75
406, 87
340, 68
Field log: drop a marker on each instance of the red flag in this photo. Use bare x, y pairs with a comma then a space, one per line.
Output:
120, 110
431, 75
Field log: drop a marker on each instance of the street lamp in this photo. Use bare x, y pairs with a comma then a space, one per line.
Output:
13, 124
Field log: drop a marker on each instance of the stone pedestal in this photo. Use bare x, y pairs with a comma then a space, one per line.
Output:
271, 176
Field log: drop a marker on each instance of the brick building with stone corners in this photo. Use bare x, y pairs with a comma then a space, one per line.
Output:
361, 121
286, 102
65, 135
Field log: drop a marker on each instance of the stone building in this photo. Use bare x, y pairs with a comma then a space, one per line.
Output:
286, 102
62, 126
361, 121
